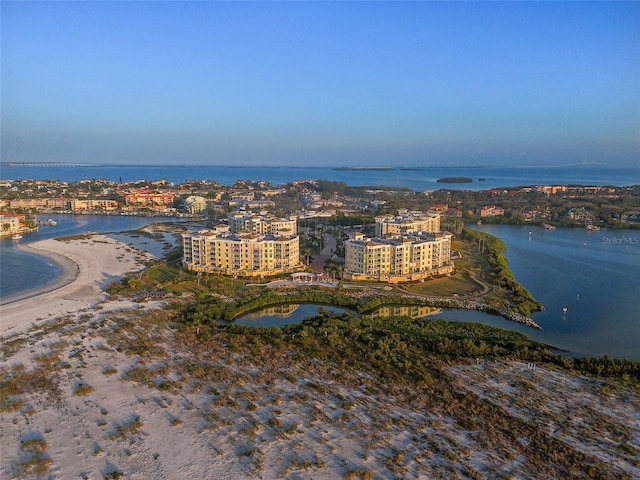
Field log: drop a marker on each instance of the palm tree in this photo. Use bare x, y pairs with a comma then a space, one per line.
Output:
306, 253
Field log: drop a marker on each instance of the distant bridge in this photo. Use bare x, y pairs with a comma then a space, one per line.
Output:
14, 164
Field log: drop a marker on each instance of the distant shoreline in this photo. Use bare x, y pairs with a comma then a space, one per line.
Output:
362, 169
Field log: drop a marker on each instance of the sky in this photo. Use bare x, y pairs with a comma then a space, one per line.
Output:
321, 83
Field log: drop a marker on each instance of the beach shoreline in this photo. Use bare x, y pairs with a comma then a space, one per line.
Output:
88, 265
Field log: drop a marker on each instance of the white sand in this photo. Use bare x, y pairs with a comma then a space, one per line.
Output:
88, 266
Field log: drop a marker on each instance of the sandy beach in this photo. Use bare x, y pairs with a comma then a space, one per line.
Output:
88, 266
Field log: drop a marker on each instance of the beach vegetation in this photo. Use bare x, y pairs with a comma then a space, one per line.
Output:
34, 460
627, 449
129, 428
396, 357
358, 475
125, 286
17, 381
496, 270
83, 389
175, 421
113, 475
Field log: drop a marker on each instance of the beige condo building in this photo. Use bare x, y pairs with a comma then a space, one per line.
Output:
411, 257
245, 253
262, 223
406, 222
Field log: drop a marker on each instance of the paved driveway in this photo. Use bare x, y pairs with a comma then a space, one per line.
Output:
325, 254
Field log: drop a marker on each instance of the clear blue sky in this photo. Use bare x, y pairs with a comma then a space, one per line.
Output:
317, 83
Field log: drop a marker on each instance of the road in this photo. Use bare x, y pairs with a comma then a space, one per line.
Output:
330, 244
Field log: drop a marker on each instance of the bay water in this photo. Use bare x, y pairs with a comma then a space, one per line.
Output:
594, 275
21, 271
418, 179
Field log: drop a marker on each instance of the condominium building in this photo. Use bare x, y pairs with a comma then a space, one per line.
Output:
95, 204
263, 223
195, 204
9, 223
406, 222
41, 203
246, 253
150, 200
399, 259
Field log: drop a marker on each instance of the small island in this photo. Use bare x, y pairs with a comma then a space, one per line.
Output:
455, 180
363, 169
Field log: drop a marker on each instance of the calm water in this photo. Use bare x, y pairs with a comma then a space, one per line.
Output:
417, 180
595, 275
288, 314
285, 315
20, 271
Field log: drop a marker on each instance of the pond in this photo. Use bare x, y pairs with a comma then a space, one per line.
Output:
292, 313
287, 314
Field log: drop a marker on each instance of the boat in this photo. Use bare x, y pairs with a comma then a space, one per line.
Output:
593, 228
16, 236
52, 223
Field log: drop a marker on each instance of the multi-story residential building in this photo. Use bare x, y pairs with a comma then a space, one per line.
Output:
262, 223
551, 189
150, 200
195, 204
490, 211
9, 224
59, 203
29, 203
243, 195
246, 253
93, 204
406, 222
410, 257
41, 203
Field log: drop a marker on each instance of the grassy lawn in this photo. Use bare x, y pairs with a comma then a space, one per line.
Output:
186, 287
460, 283
160, 274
